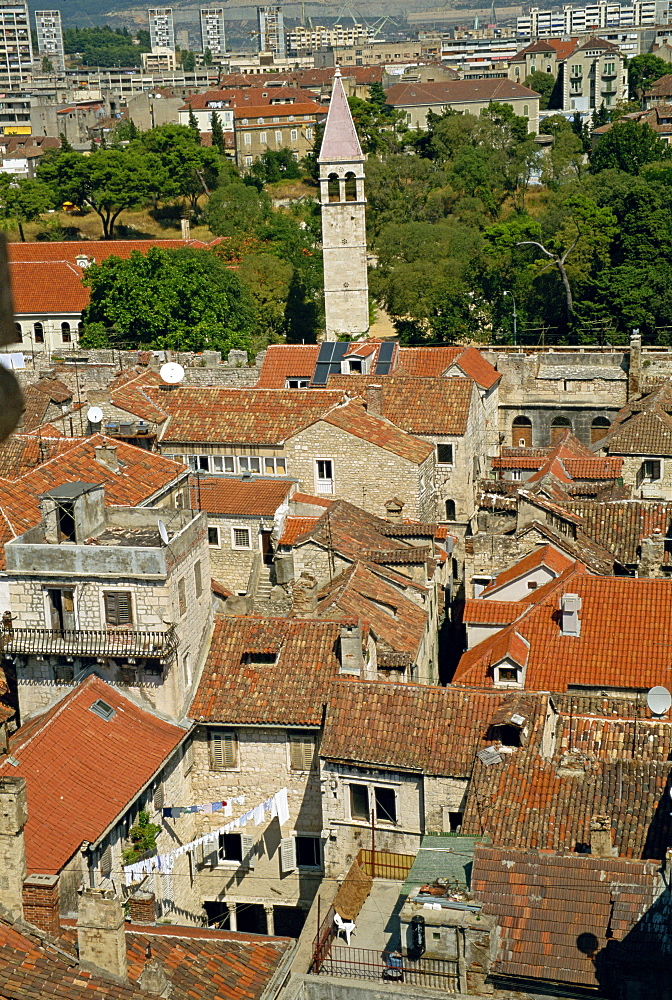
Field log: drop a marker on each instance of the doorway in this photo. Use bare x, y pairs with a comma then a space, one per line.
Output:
62, 609
266, 548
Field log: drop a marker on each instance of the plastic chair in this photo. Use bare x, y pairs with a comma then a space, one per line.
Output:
346, 927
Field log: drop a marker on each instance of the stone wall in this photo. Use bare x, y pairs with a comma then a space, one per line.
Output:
443, 795
231, 567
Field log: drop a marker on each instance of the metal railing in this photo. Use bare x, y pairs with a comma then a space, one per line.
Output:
385, 864
385, 966
89, 642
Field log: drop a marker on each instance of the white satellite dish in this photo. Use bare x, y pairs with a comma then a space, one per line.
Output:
94, 414
171, 373
163, 532
659, 700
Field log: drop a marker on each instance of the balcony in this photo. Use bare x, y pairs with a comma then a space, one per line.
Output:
127, 429
118, 642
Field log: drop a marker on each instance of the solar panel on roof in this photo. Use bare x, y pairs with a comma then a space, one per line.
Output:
385, 355
329, 361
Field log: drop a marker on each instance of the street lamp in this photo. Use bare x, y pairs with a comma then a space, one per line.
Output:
515, 319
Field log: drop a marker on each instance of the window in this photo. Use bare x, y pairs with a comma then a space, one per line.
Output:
294, 135
278, 136
248, 161
444, 454
650, 471
297, 383
19, 333
260, 658
203, 463
302, 756
198, 582
309, 133
102, 710
275, 466
66, 336
308, 852
224, 463
181, 596
450, 510
106, 862
386, 805
118, 607
193, 462
223, 750
38, 331
359, 802
188, 757
324, 474
240, 538
507, 675
249, 463
516, 475
213, 536
521, 434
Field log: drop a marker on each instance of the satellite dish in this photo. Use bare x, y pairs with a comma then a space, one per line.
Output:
163, 532
171, 373
659, 700
94, 414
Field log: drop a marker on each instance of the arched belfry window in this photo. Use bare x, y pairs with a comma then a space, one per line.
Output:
334, 188
350, 187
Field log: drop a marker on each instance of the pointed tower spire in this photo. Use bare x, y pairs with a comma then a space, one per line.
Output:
340, 141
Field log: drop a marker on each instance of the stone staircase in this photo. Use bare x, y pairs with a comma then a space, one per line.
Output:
263, 590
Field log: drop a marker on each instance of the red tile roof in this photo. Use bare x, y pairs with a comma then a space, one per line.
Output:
626, 631
49, 287
620, 525
249, 95
479, 612
426, 362
22, 452
291, 692
472, 363
295, 527
456, 92
416, 405
96, 250
545, 555
81, 770
283, 361
354, 419
247, 497
269, 112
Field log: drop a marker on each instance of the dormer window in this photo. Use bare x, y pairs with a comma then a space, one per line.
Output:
260, 658
508, 674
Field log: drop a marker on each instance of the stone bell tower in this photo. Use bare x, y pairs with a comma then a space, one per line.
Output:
341, 162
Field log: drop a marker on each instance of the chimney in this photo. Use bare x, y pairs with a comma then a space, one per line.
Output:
101, 937
304, 595
41, 903
570, 623
153, 979
635, 365
393, 509
106, 455
652, 555
352, 659
374, 400
186, 227
142, 907
13, 818
601, 837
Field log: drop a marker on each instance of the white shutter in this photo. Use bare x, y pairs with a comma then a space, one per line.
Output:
206, 855
223, 750
287, 855
106, 862
247, 845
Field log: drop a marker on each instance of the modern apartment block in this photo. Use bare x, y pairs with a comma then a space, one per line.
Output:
594, 17
271, 21
50, 37
16, 50
161, 28
213, 31
320, 36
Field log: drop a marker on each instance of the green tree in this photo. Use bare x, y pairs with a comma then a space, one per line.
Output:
187, 61
628, 146
105, 47
187, 169
236, 208
207, 57
267, 278
378, 130
47, 65
217, 133
644, 70
276, 165
143, 838
24, 199
544, 85
179, 299
193, 125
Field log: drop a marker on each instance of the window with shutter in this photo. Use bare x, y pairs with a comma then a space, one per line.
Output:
287, 855
247, 850
118, 609
188, 758
223, 750
302, 756
198, 582
106, 862
159, 797
181, 596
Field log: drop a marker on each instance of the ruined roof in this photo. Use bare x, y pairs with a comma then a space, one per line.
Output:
38, 399
620, 525
648, 432
340, 142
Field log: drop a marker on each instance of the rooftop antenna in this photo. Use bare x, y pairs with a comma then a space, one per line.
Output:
171, 373
659, 701
94, 414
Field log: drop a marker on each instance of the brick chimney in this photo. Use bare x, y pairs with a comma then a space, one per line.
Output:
101, 937
142, 907
41, 903
106, 455
374, 400
304, 595
393, 510
635, 366
601, 837
652, 555
13, 818
352, 659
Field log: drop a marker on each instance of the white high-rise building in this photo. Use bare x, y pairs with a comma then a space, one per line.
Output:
213, 33
593, 17
16, 50
161, 28
271, 22
50, 37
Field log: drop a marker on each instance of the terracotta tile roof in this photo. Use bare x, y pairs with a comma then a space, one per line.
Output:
645, 433
39, 397
249, 416
626, 629
354, 419
22, 452
81, 770
32, 966
518, 462
593, 468
296, 527
250, 497
472, 363
240, 96
620, 525
426, 362
283, 361
416, 405
478, 612
561, 47
396, 622
409, 727
97, 250
314, 501
269, 112
291, 692
456, 92
544, 903
545, 555
129, 394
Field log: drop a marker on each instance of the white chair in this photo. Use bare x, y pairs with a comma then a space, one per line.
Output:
346, 927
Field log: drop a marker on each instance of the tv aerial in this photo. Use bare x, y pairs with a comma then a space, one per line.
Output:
94, 414
659, 700
163, 532
171, 373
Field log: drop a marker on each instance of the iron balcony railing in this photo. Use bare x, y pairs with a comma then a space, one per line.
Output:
384, 966
120, 642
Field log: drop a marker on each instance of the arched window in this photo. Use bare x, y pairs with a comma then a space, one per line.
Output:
599, 428
66, 336
350, 187
38, 331
450, 510
80, 326
558, 427
521, 433
19, 333
334, 188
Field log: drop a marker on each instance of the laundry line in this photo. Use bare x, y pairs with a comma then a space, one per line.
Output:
172, 812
